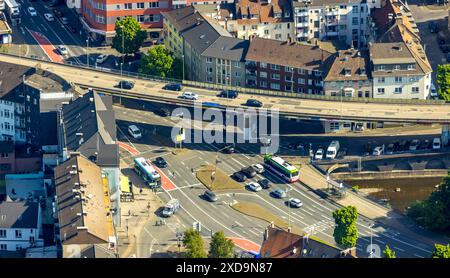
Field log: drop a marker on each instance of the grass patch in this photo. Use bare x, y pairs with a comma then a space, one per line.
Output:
221, 182
254, 210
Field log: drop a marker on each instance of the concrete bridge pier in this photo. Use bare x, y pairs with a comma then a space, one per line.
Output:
445, 134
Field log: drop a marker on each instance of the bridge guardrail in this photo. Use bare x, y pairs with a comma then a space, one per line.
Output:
239, 89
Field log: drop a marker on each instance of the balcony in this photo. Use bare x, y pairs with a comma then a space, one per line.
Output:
302, 34
302, 24
302, 13
332, 22
331, 13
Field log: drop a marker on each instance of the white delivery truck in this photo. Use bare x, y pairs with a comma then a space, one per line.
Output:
171, 208
333, 149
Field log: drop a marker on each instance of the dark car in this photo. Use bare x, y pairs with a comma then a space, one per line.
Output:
228, 94
125, 85
444, 48
210, 196
57, 13
253, 103
173, 87
239, 176
160, 162
404, 145
265, 184
425, 144
70, 28
396, 146
434, 27
228, 149
249, 171
163, 112
279, 193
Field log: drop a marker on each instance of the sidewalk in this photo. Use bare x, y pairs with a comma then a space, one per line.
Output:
313, 179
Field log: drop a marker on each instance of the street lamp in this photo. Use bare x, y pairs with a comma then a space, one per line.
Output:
87, 51
182, 57
123, 44
371, 246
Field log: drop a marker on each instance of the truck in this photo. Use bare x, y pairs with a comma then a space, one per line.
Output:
333, 149
12, 9
171, 208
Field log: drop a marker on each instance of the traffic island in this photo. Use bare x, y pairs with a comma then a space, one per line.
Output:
255, 210
216, 181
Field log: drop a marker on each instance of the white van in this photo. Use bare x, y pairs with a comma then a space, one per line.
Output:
135, 132
333, 150
171, 208
436, 143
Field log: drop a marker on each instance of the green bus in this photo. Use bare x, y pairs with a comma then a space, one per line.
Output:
281, 168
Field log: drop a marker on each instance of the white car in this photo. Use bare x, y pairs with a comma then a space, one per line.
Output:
254, 186
62, 50
258, 168
295, 203
189, 95
49, 17
378, 150
101, 59
436, 143
32, 11
135, 132
319, 154
414, 144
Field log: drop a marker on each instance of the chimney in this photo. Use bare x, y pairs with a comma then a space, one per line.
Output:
289, 229
266, 234
272, 225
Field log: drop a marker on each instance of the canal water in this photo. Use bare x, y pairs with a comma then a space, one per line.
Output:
411, 189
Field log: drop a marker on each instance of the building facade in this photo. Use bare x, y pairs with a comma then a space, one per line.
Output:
99, 16
346, 21
20, 225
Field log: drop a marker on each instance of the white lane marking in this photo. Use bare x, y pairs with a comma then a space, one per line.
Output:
399, 249
253, 232
237, 162
382, 242
224, 214
239, 224
418, 256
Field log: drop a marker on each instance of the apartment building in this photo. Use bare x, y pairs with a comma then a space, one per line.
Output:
176, 4
346, 21
20, 225
99, 16
286, 66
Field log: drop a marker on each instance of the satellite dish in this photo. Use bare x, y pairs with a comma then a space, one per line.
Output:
231, 15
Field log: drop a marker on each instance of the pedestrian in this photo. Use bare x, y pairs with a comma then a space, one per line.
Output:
129, 212
140, 190
173, 174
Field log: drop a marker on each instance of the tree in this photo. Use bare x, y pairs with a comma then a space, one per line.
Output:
434, 212
129, 34
441, 251
443, 80
388, 253
158, 61
220, 246
345, 232
194, 244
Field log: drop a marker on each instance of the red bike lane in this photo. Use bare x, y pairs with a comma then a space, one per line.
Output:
46, 46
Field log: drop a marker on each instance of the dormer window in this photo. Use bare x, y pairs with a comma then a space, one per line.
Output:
278, 15
412, 67
397, 67
362, 71
381, 68
347, 72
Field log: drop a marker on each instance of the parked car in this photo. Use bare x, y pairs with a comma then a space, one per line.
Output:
295, 203
210, 196
278, 193
189, 95
32, 11
254, 186
390, 149
228, 94
425, 144
414, 144
265, 184
101, 58
173, 87
49, 17
134, 131
396, 146
404, 145
436, 143
258, 168
444, 48
434, 27
249, 172
57, 13
163, 112
379, 150
239, 176
125, 84
62, 50
319, 154
161, 162
253, 103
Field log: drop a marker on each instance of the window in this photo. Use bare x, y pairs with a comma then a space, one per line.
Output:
288, 69
411, 67
380, 91
275, 76
397, 67
4, 155
140, 18
3, 247
398, 79
288, 88
254, 27
301, 81
209, 70
263, 84
355, 21
398, 90
415, 90
278, 36
237, 64
209, 60
275, 67
263, 74
266, 32
301, 71
355, 9
2, 233
18, 247
263, 65
128, 6
288, 78
414, 79
140, 5
99, 18
237, 74
380, 67
18, 234
154, 5
274, 86
381, 80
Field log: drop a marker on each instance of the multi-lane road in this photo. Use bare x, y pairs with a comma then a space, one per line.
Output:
316, 212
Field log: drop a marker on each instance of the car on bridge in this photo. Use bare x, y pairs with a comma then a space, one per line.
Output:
161, 162
254, 186
253, 103
436, 143
414, 145
49, 17
278, 193
249, 172
134, 131
265, 184
258, 168
210, 196
189, 95
163, 112
379, 150
62, 49
123, 84
295, 203
228, 94
239, 176
101, 58
173, 87
32, 11
390, 149
319, 154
